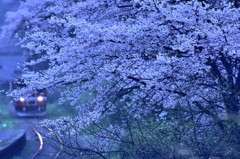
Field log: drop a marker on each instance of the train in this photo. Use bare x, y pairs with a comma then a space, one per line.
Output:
35, 105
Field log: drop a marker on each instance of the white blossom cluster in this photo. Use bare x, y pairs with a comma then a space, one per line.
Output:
142, 55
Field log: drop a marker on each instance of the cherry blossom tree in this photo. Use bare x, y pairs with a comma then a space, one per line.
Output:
136, 59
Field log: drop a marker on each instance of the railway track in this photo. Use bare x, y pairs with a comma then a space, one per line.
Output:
41, 141
61, 144
37, 147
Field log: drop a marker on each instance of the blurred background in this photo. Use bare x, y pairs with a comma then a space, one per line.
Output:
11, 62
11, 56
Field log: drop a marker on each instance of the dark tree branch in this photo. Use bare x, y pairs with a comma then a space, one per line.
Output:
216, 72
214, 116
228, 68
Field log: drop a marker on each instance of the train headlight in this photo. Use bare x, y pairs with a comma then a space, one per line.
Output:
40, 98
21, 99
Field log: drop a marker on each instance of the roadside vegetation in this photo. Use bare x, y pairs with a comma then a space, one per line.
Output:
6, 115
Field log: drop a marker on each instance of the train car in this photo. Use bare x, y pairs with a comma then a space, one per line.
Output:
32, 106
